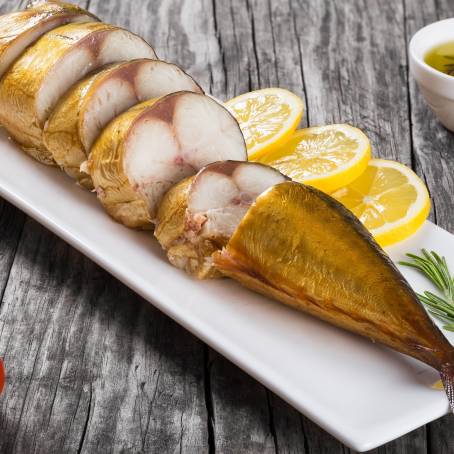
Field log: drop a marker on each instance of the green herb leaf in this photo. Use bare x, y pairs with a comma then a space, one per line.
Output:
436, 270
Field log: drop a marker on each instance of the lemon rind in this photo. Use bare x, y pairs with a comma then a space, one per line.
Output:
289, 127
343, 175
394, 232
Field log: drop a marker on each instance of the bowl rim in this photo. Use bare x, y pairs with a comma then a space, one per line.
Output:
418, 67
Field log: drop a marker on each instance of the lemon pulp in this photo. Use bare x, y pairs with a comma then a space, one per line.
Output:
326, 157
266, 117
389, 199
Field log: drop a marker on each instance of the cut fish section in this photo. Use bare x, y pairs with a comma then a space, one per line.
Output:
199, 215
90, 105
21, 29
145, 151
35, 83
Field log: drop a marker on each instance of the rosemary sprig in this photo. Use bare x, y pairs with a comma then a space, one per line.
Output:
436, 270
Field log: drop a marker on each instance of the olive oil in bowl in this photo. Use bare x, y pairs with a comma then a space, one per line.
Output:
441, 58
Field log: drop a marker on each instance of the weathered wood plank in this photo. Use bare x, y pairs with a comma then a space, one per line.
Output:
433, 159
289, 432
180, 31
7, 6
241, 411
259, 46
91, 366
11, 224
355, 69
432, 143
439, 436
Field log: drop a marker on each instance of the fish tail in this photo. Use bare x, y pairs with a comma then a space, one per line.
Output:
447, 377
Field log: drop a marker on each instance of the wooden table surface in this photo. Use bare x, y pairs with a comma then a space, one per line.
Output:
94, 368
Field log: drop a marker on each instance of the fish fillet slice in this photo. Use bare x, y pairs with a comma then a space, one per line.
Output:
304, 249
34, 84
90, 105
146, 150
199, 215
20, 30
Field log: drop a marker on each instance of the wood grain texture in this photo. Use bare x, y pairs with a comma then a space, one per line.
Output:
94, 368
433, 159
7, 6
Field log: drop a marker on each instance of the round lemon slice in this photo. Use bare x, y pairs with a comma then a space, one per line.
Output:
389, 199
326, 157
267, 117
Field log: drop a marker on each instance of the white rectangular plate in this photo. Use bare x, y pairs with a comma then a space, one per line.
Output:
362, 393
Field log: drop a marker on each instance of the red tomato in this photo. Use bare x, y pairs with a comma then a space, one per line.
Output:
2, 376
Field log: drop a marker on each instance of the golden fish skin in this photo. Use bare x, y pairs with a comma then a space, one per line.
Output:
106, 168
66, 133
170, 232
20, 29
23, 110
198, 216
142, 153
306, 250
61, 134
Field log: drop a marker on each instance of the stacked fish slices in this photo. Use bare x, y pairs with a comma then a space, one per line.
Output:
69, 81
93, 99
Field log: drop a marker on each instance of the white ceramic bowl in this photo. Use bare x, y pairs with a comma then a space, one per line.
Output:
437, 87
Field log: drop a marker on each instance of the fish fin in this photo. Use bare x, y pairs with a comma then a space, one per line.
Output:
447, 377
